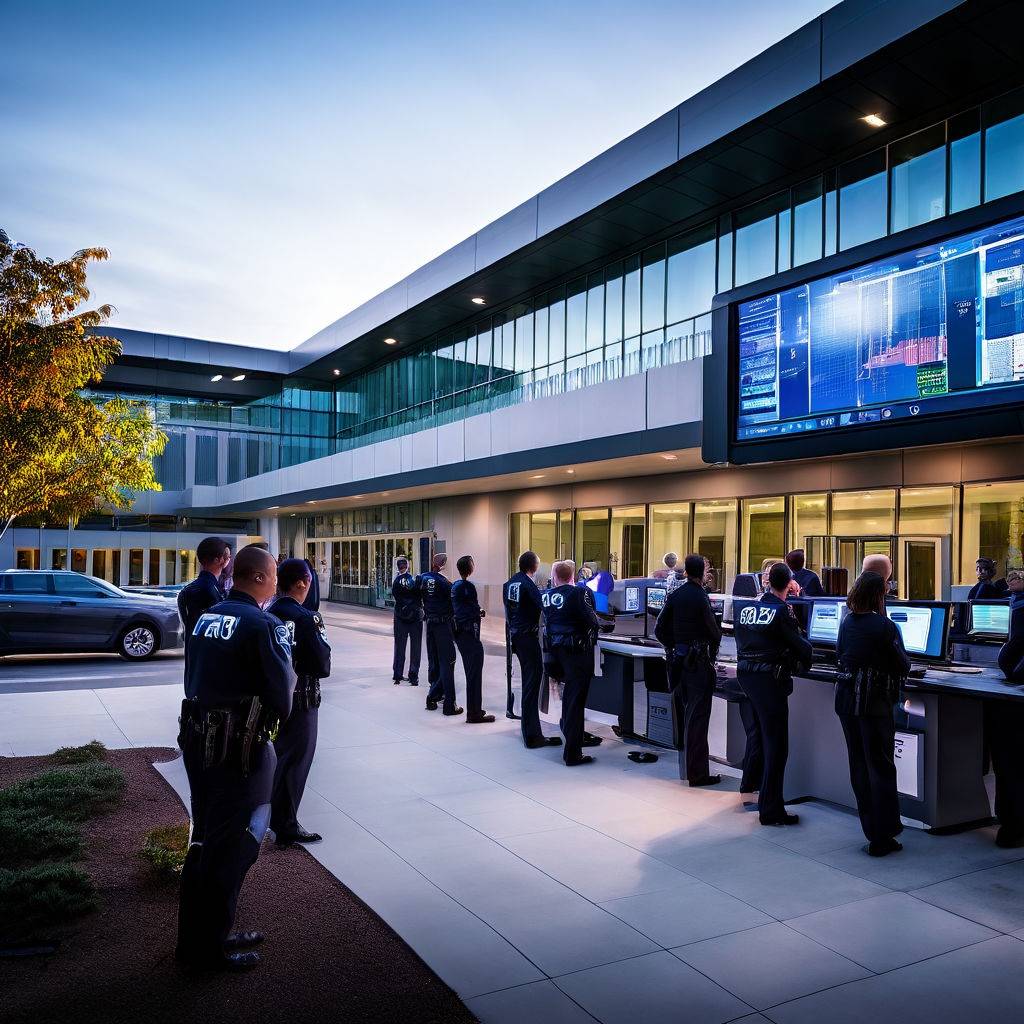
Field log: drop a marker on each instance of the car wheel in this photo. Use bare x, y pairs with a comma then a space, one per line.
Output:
138, 642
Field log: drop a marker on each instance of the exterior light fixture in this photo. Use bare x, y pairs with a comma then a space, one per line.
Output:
874, 120
216, 377
390, 341
668, 457
238, 377
537, 476
272, 507
311, 502
478, 300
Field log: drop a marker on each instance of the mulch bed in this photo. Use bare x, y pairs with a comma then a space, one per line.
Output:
326, 956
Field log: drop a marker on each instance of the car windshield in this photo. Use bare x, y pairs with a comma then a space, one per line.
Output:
74, 584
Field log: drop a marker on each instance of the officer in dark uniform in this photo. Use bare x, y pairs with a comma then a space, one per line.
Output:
296, 739
1004, 726
213, 555
468, 613
522, 600
439, 614
238, 687
571, 627
312, 598
408, 624
769, 646
690, 634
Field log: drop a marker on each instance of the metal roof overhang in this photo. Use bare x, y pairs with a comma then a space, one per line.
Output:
960, 58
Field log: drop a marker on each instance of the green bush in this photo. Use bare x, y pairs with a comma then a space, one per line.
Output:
27, 836
94, 750
71, 793
43, 895
165, 848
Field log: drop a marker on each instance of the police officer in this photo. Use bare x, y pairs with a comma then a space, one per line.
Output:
768, 647
408, 624
571, 626
439, 615
214, 556
1004, 726
312, 598
522, 600
468, 613
296, 739
690, 634
238, 686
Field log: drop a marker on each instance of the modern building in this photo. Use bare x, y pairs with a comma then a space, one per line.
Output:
789, 312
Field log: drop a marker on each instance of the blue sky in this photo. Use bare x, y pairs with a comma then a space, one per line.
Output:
259, 169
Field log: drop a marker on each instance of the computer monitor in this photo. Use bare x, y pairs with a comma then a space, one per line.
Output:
656, 597
924, 626
990, 619
823, 625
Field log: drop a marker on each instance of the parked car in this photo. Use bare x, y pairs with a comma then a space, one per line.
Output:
43, 612
160, 590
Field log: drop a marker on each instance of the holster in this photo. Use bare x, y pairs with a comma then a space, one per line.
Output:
867, 686
691, 656
307, 694
230, 734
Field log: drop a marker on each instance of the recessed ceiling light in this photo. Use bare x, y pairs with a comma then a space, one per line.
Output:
337, 373
570, 471
478, 300
874, 120
537, 476
670, 458
272, 507
390, 341
311, 502
216, 377
238, 377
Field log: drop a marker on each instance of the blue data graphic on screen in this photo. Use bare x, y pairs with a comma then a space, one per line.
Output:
938, 329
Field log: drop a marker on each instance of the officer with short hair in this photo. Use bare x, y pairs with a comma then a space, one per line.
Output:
690, 634
468, 613
439, 614
571, 626
296, 739
408, 624
238, 688
522, 600
769, 646
214, 556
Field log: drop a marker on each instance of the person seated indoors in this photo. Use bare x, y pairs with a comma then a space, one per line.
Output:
671, 560
987, 587
882, 564
808, 581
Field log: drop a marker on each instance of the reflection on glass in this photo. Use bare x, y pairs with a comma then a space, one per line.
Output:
595, 312
592, 537
631, 297
613, 304
653, 289
628, 537
864, 513
691, 273
714, 537
862, 200
1004, 158
755, 239
993, 527
669, 531
724, 254
918, 169
763, 533
576, 318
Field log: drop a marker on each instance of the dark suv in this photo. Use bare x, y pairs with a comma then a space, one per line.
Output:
60, 612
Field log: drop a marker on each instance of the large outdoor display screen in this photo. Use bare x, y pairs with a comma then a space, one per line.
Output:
938, 329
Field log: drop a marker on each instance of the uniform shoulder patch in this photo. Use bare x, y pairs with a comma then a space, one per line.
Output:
283, 636
513, 592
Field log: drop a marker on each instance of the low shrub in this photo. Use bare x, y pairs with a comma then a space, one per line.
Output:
94, 750
26, 836
43, 895
71, 793
165, 848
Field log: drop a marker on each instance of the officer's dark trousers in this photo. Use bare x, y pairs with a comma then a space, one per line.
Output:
222, 850
526, 647
694, 691
577, 668
769, 699
439, 635
471, 650
1004, 727
295, 746
413, 632
870, 743
433, 668
753, 754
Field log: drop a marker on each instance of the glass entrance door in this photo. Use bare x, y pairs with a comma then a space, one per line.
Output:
849, 553
925, 568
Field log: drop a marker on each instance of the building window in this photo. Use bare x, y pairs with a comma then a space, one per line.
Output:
763, 532
864, 513
714, 537
993, 527
918, 170
809, 528
691, 274
756, 238
862, 200
669, 530
964, 161
27, 558
135, 567
652, 315
1004, 145
627, 550
592, 538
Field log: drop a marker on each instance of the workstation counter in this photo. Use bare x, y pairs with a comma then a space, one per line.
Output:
940, 732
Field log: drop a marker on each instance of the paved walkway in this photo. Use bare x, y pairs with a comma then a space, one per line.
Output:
610, 892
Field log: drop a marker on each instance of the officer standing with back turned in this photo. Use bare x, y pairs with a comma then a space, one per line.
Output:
769, 647
296, 740
571, 625
440, 617
408, 624
690, 634
522, 600
468, 614
238, 687
213, 555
